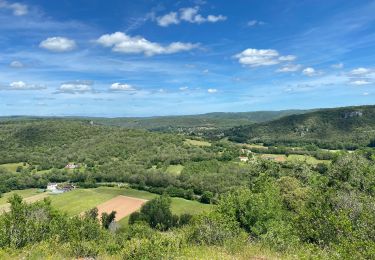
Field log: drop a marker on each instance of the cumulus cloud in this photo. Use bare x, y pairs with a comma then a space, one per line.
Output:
168, 19
190, 14
121, 87
309, 71
360, 71
16, 64
360, 82
58, 44
261, 57
212, 90
121, 42
75, 87
21, 85
16, 8
289, 68
287, 58
253, 23
361, 76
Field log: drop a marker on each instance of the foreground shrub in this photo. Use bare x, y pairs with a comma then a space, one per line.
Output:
159, 246
212, 229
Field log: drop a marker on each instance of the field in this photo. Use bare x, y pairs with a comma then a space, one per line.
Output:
12, 167
256, 146
175, 169
123, 206
197, 142
305, 158
23, 193
29, 195
274, 157
80, 200
77, 201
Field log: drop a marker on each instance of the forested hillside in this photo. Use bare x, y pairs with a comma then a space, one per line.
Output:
184, 124
260, 207
348, 127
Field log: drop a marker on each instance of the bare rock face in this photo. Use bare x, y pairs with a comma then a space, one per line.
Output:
353, 114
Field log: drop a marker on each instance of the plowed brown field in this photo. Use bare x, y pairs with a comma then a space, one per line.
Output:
123, 206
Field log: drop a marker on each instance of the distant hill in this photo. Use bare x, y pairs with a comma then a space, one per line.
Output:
346, 127
185, 123
201, 122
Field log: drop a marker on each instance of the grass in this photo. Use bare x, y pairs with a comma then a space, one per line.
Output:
197, 142
305, 158
180, 206
12, 167
80, 200
256, 146
23, 193
275, 157
175, 169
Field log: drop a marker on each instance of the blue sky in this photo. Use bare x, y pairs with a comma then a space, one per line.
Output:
143, 58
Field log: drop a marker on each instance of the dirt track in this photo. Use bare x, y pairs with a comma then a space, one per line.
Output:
123, 206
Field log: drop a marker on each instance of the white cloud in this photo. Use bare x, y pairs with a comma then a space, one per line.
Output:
255, 23
338, 65
16, 64
216, 18
261, 57
360, 71
287, 58
120, 42
78, 87
121, 87
21, 85
17, 85
361, 76
58, 44
289, 68
190, 15
212, 90
309, 72
17, 8
365, 93
168, 19
360, 82
184, 88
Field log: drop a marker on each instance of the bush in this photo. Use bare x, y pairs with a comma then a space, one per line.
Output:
213, 229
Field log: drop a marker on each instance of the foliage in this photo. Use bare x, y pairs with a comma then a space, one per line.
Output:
158, 215
338, 128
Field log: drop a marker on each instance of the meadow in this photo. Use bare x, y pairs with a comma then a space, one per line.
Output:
80, 200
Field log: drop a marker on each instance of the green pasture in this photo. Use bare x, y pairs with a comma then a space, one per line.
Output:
175, 169
305, 158
197, 142
12, 167
23, 193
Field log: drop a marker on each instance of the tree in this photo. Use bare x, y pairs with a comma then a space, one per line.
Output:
156, 213
92, 213
206, 197
107, 219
